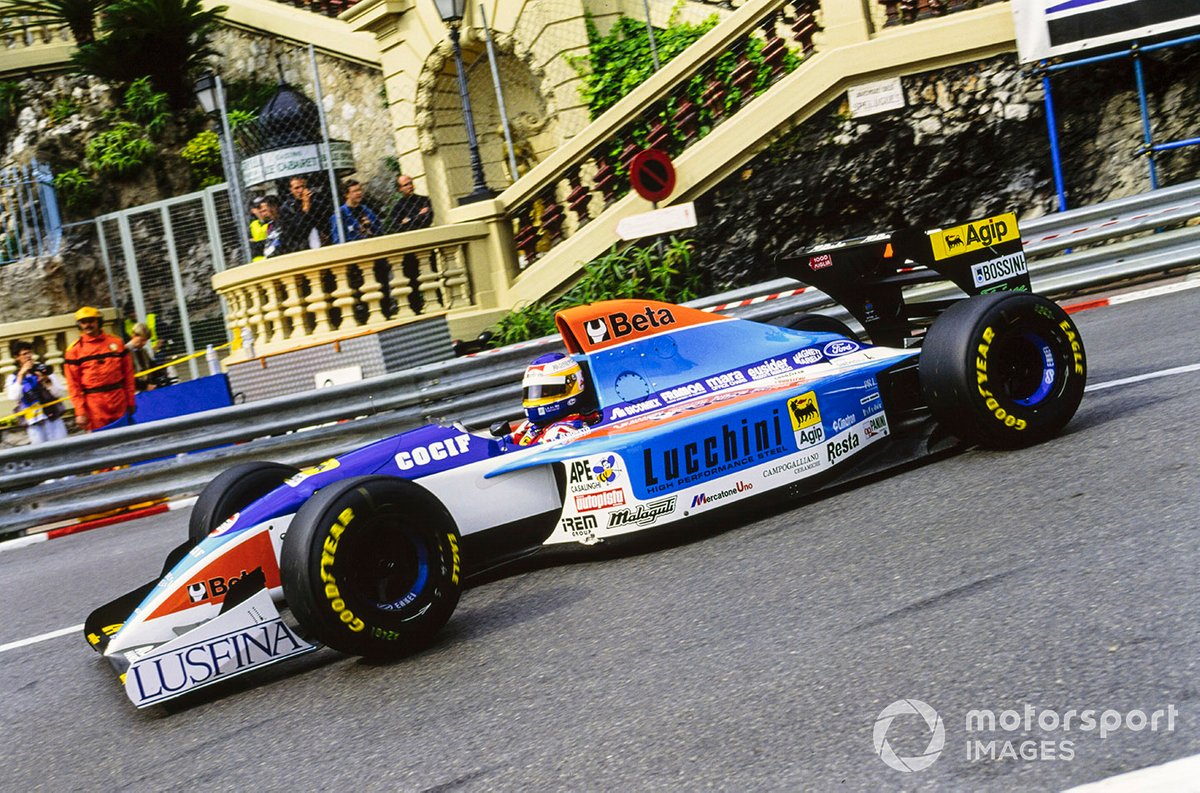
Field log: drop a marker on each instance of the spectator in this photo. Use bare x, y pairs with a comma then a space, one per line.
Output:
34, 388
359, 220
301, 224
144, 355
407, 211
99, 374
264, 229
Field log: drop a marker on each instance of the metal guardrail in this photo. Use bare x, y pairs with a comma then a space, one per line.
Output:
54, 481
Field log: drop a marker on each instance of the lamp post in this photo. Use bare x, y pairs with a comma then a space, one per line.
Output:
211, 94
451, 12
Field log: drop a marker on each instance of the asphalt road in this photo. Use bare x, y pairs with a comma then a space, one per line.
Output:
1061, 577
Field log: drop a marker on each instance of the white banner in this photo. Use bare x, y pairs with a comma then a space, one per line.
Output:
295, 160
1050, 28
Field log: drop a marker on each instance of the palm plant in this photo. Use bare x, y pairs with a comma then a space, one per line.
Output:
166, 40
78, 15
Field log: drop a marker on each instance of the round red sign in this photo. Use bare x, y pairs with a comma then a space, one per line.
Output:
652, 174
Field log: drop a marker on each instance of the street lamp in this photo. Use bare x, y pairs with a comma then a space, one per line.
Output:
451, 12
211, 95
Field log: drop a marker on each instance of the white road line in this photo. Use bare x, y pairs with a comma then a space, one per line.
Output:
1178, 775
1147, 376
42, 638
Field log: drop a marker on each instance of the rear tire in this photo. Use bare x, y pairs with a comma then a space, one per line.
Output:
370, 566
231, 491
1004, 370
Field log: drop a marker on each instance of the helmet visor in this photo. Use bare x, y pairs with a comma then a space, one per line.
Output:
537, 393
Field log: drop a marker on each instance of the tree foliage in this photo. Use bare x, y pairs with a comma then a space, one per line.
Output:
78, 15
620, 60
634, 272
165, 40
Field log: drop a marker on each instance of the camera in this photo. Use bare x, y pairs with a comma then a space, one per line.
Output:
41, 368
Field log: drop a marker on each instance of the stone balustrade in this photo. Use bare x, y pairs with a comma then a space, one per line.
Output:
358, 287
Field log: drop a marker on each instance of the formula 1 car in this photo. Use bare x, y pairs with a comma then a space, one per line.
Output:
697, 411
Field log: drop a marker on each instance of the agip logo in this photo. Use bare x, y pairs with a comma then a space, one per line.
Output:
804, 410
974, 236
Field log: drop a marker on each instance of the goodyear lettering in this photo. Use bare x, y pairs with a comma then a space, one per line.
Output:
328, 554
454, 562
438, 450
838, 449
733, 446
622, 324
769, 369
981, 383
1076, 346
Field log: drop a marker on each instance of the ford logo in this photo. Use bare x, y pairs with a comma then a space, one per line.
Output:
841, 347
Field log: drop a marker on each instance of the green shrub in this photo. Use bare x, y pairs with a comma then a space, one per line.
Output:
203, 154
12, 97
635, 272
146, 106
119, 151
77, 190
62, 109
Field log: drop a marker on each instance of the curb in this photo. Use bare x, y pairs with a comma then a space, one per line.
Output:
55, 530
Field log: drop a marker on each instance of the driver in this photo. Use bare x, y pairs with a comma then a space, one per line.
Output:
554, 396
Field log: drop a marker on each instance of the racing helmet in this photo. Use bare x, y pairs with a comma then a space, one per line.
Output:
552, 388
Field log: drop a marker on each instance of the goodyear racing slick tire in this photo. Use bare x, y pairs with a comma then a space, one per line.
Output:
817, 323
1003, 370
232, 490
370, 566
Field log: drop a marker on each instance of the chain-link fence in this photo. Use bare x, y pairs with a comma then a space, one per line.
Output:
160, 259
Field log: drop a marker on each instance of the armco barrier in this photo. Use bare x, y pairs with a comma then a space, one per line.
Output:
188, 451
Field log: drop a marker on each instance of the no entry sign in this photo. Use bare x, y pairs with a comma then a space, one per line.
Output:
652, 175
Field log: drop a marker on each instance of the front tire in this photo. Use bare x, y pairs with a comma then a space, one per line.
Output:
370, 566
1004, 370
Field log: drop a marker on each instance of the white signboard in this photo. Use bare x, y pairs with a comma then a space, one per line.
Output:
1050, 28
332, 377
281, 163
877, 97
658, 221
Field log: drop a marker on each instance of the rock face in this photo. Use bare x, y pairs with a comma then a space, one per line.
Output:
63, 111
971, 141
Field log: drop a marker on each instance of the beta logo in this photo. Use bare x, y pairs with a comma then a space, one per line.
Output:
804, 410
836, 349
618, 324
214, 587
438, 450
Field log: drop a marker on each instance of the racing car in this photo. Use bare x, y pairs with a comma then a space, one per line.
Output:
367, 553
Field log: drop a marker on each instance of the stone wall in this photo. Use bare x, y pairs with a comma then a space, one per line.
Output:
972, 141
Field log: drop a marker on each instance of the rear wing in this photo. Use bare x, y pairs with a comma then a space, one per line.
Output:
867, 274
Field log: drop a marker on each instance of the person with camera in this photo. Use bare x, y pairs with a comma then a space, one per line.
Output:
358, 219
36, 392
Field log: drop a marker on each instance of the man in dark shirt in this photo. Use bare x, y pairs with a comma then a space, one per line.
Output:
302, 218
359, 220
407, 211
